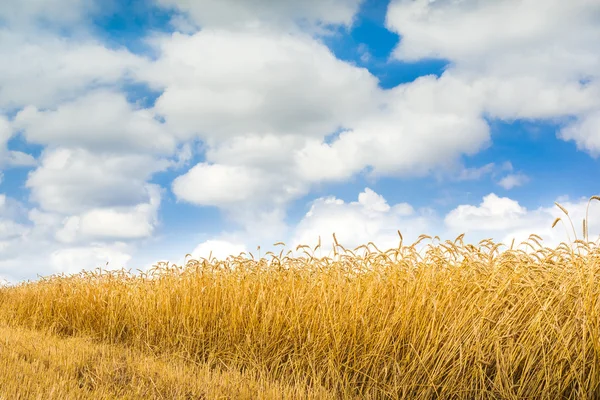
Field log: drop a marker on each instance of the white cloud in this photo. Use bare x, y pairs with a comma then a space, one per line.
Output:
513, 180
72, 181
470, 174
114, 125
220, 249
585, 133
557, 40
261, 13
215, 184
263, 97
45, 69
27, 12
531, 97
95, 166
11, 158
526, 61
411, 130
10, 208
493, 214
134, 222
266, 151
29, 248
74, 260
425, 124
503, 219
370, 219
11, 230
272, 83
284, 91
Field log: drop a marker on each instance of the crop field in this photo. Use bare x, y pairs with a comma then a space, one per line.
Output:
452, 321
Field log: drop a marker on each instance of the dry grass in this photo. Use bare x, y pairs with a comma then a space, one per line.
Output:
456, 322
39, 365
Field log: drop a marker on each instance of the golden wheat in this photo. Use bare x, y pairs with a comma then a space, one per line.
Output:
456, 321
39, 365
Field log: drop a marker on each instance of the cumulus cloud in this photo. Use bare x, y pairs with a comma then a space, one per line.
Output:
265, 97
10, 229
494, 35
75, 259
585, 133
100, 121
493, 214
47, 69
11, 158
289, 93
425, 124
57, 12
283, 89
504, 219
29, 248
214, 184
90, 187
219, 249
524, 63
272, 83
119, 223
418, 128
469, 174
265, 13
76, 180
369, 219
372, 219
513, 180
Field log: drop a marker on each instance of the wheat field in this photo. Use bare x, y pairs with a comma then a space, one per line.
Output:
455, 321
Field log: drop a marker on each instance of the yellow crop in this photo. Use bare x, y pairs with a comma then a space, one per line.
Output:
457, 321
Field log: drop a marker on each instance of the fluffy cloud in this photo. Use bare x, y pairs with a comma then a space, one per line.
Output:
113, 223
524, 61
29, 247
9, 158
75, 259
309, 94
289, 93
425, 124
261, 13
585, 133
99, 121
531, 97
10, 229
370, 219
558, 40
73, 181
216, 184
283, 90
493, 214
46, 69
219, 249
272, 83
59, 12
513, 180
265, 99
91, 181
505, 219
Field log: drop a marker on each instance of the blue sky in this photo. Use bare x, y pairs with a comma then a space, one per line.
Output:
133, 132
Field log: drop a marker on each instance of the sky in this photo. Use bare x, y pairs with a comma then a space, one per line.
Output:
138, 131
